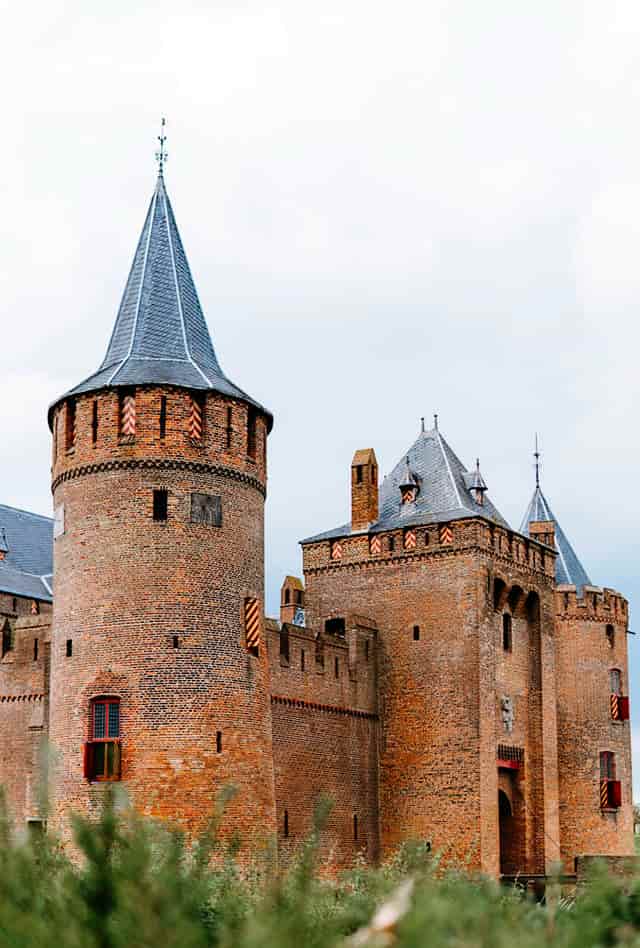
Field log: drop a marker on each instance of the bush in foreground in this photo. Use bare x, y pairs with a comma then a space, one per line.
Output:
138, 885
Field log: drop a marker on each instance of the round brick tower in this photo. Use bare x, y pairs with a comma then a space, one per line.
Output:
159, 675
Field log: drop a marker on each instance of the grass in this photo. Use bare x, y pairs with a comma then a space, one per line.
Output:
138, 884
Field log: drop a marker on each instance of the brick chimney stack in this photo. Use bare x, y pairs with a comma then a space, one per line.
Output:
364, 489
291, 599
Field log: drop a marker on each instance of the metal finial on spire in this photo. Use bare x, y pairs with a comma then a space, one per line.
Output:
435, 422
536, 455
161, 154
422, 425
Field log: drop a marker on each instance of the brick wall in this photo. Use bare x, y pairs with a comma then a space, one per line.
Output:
23, 717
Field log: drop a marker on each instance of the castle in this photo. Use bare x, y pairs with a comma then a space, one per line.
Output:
440, 675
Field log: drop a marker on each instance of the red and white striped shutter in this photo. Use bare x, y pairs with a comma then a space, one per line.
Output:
128, 426
195, 420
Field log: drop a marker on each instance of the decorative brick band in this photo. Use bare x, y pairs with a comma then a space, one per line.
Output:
159, 464
32, 697
329, 708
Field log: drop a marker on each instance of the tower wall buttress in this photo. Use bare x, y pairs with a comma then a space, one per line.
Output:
154, 609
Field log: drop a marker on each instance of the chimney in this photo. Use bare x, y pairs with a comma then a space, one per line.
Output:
544, 531
364, 489
292, 601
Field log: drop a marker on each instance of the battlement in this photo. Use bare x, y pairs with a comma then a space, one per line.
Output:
592, 603
423, 540
335, 665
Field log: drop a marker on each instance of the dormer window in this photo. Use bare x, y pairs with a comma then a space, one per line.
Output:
409, 486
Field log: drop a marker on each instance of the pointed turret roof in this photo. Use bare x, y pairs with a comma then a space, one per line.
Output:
160, 335
569, 569
444, 490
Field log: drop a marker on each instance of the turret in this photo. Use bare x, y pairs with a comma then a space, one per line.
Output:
158, 663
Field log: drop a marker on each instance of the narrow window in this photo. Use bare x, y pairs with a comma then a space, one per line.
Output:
615, 680
611, 636
70, 427
218, 742
163, 417
287, 597
94, 421
35, 650
175, 641
127, 414
284, 647
302, 660
416, 633
252, 624
160, 504
196, 418
102, 751
252, 420
15, 604
286, 824
229, 430
336, 668
392, 544
607, 765
7, 643
507, 632
355, 827
359, 474
610, 787
69, 649
366, 650
426, 538
299, 597
319, 653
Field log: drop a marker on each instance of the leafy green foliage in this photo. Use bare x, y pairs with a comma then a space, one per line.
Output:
133, 883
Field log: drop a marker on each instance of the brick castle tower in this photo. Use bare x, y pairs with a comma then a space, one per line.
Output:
158, 665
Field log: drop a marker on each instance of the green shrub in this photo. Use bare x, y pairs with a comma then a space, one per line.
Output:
136, 883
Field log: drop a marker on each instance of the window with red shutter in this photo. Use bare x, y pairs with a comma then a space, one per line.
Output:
102, 753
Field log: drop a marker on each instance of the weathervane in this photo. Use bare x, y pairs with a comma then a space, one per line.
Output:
161, 155
536, 455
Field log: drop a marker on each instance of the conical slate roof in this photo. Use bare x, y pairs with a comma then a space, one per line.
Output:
569, 569
444, 490
160, 334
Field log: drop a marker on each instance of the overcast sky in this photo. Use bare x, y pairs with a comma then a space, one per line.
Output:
389, 210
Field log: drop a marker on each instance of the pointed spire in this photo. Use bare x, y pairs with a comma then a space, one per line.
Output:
477, 485
569, 569
160, 335
161, 154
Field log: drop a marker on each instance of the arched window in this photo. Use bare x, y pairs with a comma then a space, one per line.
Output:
507, 632
102, 750
611, 636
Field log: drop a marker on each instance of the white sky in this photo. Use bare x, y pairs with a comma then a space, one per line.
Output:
389, 210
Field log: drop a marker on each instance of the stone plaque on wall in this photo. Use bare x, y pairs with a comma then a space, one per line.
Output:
206, 508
